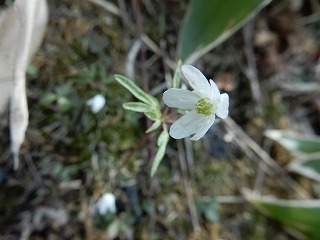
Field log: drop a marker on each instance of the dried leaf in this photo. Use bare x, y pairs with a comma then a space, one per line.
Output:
21, 31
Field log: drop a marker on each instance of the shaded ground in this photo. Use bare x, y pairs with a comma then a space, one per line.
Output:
71, 156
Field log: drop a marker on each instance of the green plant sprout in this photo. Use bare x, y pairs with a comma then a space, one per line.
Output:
205, 102
150, 107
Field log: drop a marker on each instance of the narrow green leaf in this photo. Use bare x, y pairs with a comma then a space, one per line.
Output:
163, 138
137, 107
300, 215
136, 91
295, 142
308, 166
154, 126
176, 77
162, 144
153, 115
210, 22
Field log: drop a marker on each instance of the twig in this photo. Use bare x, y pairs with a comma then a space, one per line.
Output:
189, 155
32, 168
131, 59
188, 188
150, 44
108, 6
149, 7
128, 26
158, 89
167, 73
139, 32
251, 71
260, 177
261, 170
26, 226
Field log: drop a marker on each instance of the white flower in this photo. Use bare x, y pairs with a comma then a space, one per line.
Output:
205, 101
107, 203
96, 103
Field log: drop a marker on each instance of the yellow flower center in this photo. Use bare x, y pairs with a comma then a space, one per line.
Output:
204, 106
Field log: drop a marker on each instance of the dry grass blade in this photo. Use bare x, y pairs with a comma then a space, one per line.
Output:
131, 59
188, 188
150, 44
108, 6
251, 72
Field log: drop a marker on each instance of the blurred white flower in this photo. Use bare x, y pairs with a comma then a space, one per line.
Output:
205, 101
107, 203
96, 103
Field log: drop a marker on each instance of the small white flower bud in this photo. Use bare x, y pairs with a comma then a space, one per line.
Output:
107, 203
96, 103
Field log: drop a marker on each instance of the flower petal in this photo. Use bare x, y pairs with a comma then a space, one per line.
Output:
180, 98
196, 79
223, 108
204, 128
186, 125
215, 93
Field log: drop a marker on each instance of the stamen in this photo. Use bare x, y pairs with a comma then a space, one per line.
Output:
204, 106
